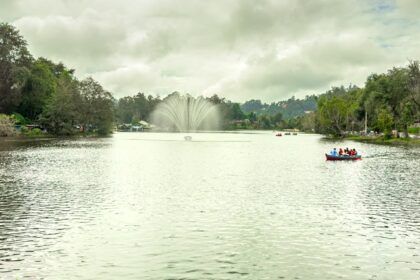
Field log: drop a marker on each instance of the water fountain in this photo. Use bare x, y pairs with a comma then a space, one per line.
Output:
184, 113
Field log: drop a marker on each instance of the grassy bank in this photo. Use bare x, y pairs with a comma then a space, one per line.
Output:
383, 141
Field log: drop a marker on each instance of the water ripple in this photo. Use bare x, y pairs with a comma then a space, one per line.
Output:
228, 206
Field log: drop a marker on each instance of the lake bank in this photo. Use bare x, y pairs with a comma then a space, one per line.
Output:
382, 141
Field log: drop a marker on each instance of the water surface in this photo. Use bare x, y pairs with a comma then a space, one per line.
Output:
223, 206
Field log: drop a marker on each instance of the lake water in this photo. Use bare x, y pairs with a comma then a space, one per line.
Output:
223, 206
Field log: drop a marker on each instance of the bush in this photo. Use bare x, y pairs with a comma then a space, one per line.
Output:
7, 126
34, 132
414, 130
18, 118
24, 129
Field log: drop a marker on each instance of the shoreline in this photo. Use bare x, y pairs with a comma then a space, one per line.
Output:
23, 137
381, 141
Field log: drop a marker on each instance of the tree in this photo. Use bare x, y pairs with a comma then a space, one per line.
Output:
63, 111
138, 107
125, 109
332, 114
252, 106
38, 89
277, 119
236, 112
308, 122
264, 122
387, 90
97, 107
216, 100
15, 60
252, 117
385, 121
414, 86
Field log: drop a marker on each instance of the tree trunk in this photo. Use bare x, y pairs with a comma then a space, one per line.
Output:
365, 122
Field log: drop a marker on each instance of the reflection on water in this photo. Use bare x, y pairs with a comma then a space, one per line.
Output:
223, 206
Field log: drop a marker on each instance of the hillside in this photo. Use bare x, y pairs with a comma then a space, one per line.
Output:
289, 108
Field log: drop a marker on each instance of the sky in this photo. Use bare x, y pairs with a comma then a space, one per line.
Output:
239, 49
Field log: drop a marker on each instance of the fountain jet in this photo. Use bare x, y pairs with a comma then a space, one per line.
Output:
184, 113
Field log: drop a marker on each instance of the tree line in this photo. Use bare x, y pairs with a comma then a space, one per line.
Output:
132, 109
291, 108
37, 90
388, 101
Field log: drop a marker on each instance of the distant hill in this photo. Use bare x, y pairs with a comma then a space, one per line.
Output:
290, 108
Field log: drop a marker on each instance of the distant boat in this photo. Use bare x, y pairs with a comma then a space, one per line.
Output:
331, 157
294, 133
279, 134
287, 133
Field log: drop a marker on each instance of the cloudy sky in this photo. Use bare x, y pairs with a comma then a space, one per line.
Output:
239, 49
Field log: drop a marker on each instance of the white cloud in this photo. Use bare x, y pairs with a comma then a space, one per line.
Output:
240, 49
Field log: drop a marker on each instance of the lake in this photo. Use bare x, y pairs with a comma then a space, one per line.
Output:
222, 206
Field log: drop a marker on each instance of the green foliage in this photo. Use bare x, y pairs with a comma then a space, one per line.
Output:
388, 100
15, 60
332, 112
97, 107
46, 93
6, 125
38, 89
35, 132
307, 122
252, 116
135, 120
19, 119
385, 121
414, 130
136, 108
62, 113
264, 122
290, 108
277, 118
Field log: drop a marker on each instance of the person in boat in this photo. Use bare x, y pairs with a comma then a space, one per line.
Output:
340, 152
334, 152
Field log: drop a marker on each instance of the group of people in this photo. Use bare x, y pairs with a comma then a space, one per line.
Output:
343, 152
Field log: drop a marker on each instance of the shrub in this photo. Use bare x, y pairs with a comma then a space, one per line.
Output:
18, 118
34, 132
414, 130
6, 126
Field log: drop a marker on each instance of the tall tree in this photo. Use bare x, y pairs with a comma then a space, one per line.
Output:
98, 107
332, 113
38, 89
15, 61
63, 111
414, 84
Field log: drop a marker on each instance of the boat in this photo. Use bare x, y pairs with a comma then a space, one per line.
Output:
279, 134
345, 157
287, 133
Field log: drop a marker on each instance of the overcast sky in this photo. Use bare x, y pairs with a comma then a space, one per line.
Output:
243, 49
